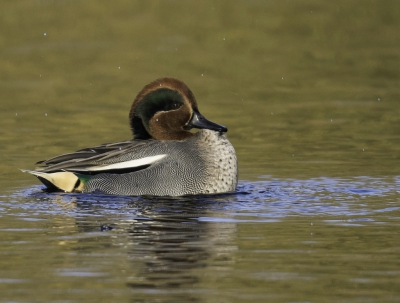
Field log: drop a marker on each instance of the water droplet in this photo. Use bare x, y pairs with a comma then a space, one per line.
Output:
272, 113
120, 148
311, 223
45, 114
331, 120
157, 120
282, 78
202, 75
119, 67
363, 149
40, 76
44, 34
16, 114
223, 39
379, 99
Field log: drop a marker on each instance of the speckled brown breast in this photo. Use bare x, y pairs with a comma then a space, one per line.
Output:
222, 171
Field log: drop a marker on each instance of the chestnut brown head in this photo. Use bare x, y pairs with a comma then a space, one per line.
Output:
166, 109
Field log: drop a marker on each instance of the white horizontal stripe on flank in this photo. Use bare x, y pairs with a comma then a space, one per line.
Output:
128, 164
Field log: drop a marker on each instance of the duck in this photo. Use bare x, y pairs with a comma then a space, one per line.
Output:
164, 158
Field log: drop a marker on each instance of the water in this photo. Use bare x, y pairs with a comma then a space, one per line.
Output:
304, 235
309, 92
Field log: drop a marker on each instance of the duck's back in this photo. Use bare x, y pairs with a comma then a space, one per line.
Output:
205, 163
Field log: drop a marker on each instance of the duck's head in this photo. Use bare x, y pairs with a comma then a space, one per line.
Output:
166, 109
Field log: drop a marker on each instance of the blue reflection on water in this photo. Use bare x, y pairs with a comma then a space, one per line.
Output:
261, 201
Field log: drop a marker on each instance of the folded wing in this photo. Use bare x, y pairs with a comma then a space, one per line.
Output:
69, 172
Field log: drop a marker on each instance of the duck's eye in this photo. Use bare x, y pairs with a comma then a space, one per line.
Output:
170, 106
175, 105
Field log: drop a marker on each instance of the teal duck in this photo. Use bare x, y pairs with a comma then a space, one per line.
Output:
163, 159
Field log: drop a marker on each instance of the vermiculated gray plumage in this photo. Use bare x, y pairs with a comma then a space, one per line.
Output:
205, 163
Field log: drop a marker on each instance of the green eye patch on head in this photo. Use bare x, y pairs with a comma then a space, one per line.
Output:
162, 99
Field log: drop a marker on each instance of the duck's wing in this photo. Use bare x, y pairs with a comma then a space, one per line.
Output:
114, 157
86, 153
69, 171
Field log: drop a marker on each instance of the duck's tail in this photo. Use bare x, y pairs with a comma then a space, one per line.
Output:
65, 181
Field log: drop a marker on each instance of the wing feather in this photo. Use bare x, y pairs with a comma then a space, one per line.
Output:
126, 155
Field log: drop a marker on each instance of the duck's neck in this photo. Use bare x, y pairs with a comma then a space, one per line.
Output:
166, 136
138, 130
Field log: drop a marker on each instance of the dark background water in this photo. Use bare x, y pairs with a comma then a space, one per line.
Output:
310, 93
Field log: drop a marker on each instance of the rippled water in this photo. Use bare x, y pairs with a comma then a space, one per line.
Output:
310, 94
257, 201
270, 236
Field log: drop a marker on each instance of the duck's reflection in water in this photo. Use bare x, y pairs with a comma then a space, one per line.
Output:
168, 244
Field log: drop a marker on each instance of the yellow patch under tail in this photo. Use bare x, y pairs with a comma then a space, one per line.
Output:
65, 181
